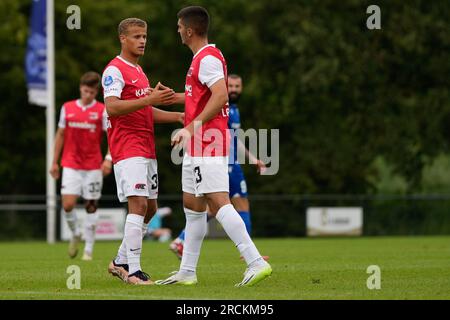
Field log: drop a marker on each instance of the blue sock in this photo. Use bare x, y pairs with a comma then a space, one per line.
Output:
181, 235
245, 215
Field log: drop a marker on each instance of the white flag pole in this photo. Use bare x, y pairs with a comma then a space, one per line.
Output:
50, 120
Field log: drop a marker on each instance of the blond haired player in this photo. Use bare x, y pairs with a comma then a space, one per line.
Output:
129, 102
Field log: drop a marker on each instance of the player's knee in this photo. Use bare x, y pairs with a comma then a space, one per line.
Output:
212, 210
240, 203
151, 208
216, 204
91, 206
141, 207
195, 204
137, 205
68, 206
151, 211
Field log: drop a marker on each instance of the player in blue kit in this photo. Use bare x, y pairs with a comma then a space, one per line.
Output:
238, 185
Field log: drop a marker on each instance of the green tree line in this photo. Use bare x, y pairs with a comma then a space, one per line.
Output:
359, 111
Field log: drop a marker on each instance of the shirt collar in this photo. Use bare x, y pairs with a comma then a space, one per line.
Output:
80, 105
128, 62
208, 45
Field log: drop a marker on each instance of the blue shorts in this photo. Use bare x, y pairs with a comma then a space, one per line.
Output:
238, 186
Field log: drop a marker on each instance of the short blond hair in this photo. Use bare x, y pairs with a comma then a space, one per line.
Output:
130, 22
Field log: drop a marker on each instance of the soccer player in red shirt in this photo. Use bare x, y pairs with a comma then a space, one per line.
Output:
129, 102
205, 164
79, 136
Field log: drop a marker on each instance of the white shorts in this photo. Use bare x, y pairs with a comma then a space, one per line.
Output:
85, 183
137, 176
202, 175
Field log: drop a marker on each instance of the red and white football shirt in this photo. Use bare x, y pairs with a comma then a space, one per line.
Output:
83, 129
207, 67
130, 135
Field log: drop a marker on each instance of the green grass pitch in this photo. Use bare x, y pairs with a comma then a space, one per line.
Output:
333, 268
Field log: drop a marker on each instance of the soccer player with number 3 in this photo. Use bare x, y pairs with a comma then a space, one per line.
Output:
205, 164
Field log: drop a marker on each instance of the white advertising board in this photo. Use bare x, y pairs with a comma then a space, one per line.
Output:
110, 223
334, 221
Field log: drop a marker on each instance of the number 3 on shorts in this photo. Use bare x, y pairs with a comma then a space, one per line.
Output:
154, 182
198, 176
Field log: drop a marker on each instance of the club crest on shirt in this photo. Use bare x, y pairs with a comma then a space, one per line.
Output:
190, 72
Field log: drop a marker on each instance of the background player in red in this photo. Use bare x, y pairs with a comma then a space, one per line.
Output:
79, 136
129, 102
205, 164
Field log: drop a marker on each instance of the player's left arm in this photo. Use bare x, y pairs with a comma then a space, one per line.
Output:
161, 116
107, 164
179, 98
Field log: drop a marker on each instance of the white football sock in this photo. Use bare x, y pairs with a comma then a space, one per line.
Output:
89, 232
196, 226
72, 222
133, 240
234, 226
122, 253
144, 229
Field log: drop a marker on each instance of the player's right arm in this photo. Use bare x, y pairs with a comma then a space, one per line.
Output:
59, 143
113, 84
158, 96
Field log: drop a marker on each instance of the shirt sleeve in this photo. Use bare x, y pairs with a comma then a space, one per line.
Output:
210, 70
112, 82
62, 118
105, 120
